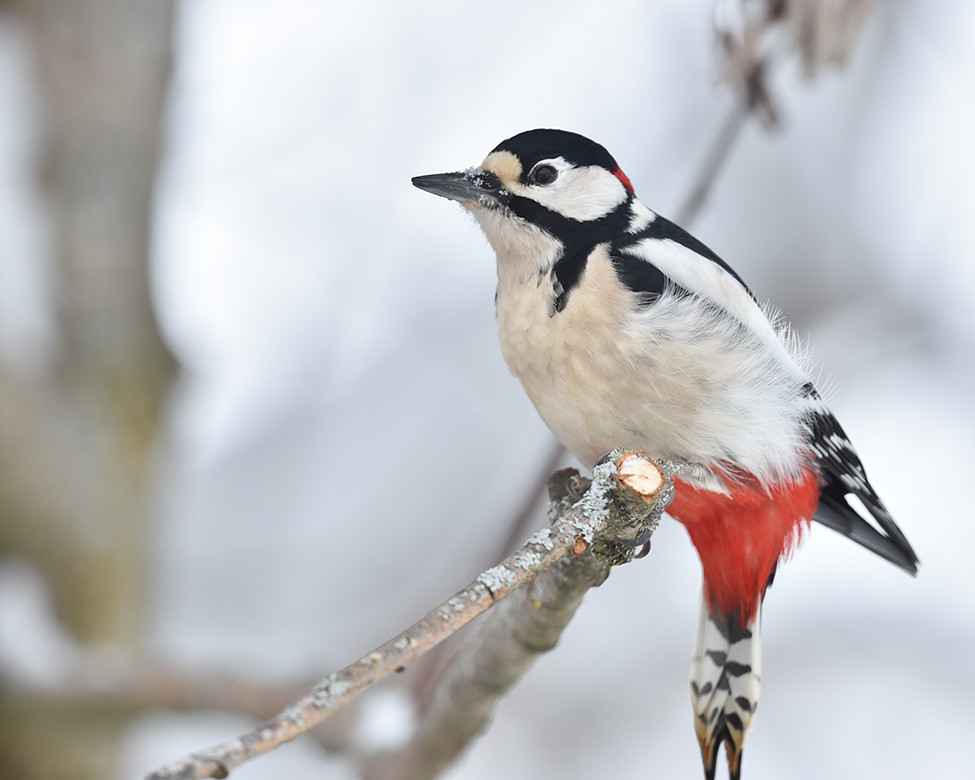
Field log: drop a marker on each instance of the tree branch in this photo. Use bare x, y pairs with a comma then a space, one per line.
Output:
526, 625
623, 504
427, 677
94, 685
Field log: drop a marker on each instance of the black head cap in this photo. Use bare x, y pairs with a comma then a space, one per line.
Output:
534, 145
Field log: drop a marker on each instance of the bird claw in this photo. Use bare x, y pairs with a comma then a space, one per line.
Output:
643, 541
571, 491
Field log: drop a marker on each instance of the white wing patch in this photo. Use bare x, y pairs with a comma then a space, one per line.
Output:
709, 281
640, 217
713, 392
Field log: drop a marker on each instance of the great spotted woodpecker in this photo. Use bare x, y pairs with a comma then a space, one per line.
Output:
628, 332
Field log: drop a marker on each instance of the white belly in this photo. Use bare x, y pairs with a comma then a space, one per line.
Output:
605, 373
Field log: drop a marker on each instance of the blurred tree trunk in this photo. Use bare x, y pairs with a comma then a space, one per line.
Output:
76, 444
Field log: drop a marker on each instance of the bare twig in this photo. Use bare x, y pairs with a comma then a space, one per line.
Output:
604, 511
526, 625
821, 32
717, 155
427, 678
825, 33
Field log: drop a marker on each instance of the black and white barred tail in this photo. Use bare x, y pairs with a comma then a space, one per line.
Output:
725, 683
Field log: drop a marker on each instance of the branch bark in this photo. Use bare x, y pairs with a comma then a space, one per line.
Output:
621, 507
526, 625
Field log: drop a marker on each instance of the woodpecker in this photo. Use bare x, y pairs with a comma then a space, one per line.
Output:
626, 331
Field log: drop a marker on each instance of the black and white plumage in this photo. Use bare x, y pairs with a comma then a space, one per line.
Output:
626, 331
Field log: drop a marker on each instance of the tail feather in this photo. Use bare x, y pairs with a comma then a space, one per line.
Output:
835, 512
725, 683
842, 474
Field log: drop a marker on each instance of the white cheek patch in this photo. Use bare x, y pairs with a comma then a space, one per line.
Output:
585, 194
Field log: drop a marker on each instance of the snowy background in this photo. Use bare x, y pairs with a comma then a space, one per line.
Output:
324, 311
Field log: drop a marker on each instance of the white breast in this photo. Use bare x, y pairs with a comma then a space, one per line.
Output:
668, 378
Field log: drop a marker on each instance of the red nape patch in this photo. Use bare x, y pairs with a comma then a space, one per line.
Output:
618, 173
740, 537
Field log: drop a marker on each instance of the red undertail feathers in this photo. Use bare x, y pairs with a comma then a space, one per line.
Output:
741, 536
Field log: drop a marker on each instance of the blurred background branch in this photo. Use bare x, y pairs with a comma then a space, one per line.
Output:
534, 593
77, 434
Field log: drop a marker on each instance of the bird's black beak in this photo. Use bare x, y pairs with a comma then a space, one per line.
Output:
474, 184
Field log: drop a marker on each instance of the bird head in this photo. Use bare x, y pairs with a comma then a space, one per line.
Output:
540, 185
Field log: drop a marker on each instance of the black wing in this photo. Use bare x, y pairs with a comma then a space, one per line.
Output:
644, 278
843, 475
665, 230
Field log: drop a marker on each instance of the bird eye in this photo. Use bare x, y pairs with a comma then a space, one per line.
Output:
544, 174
